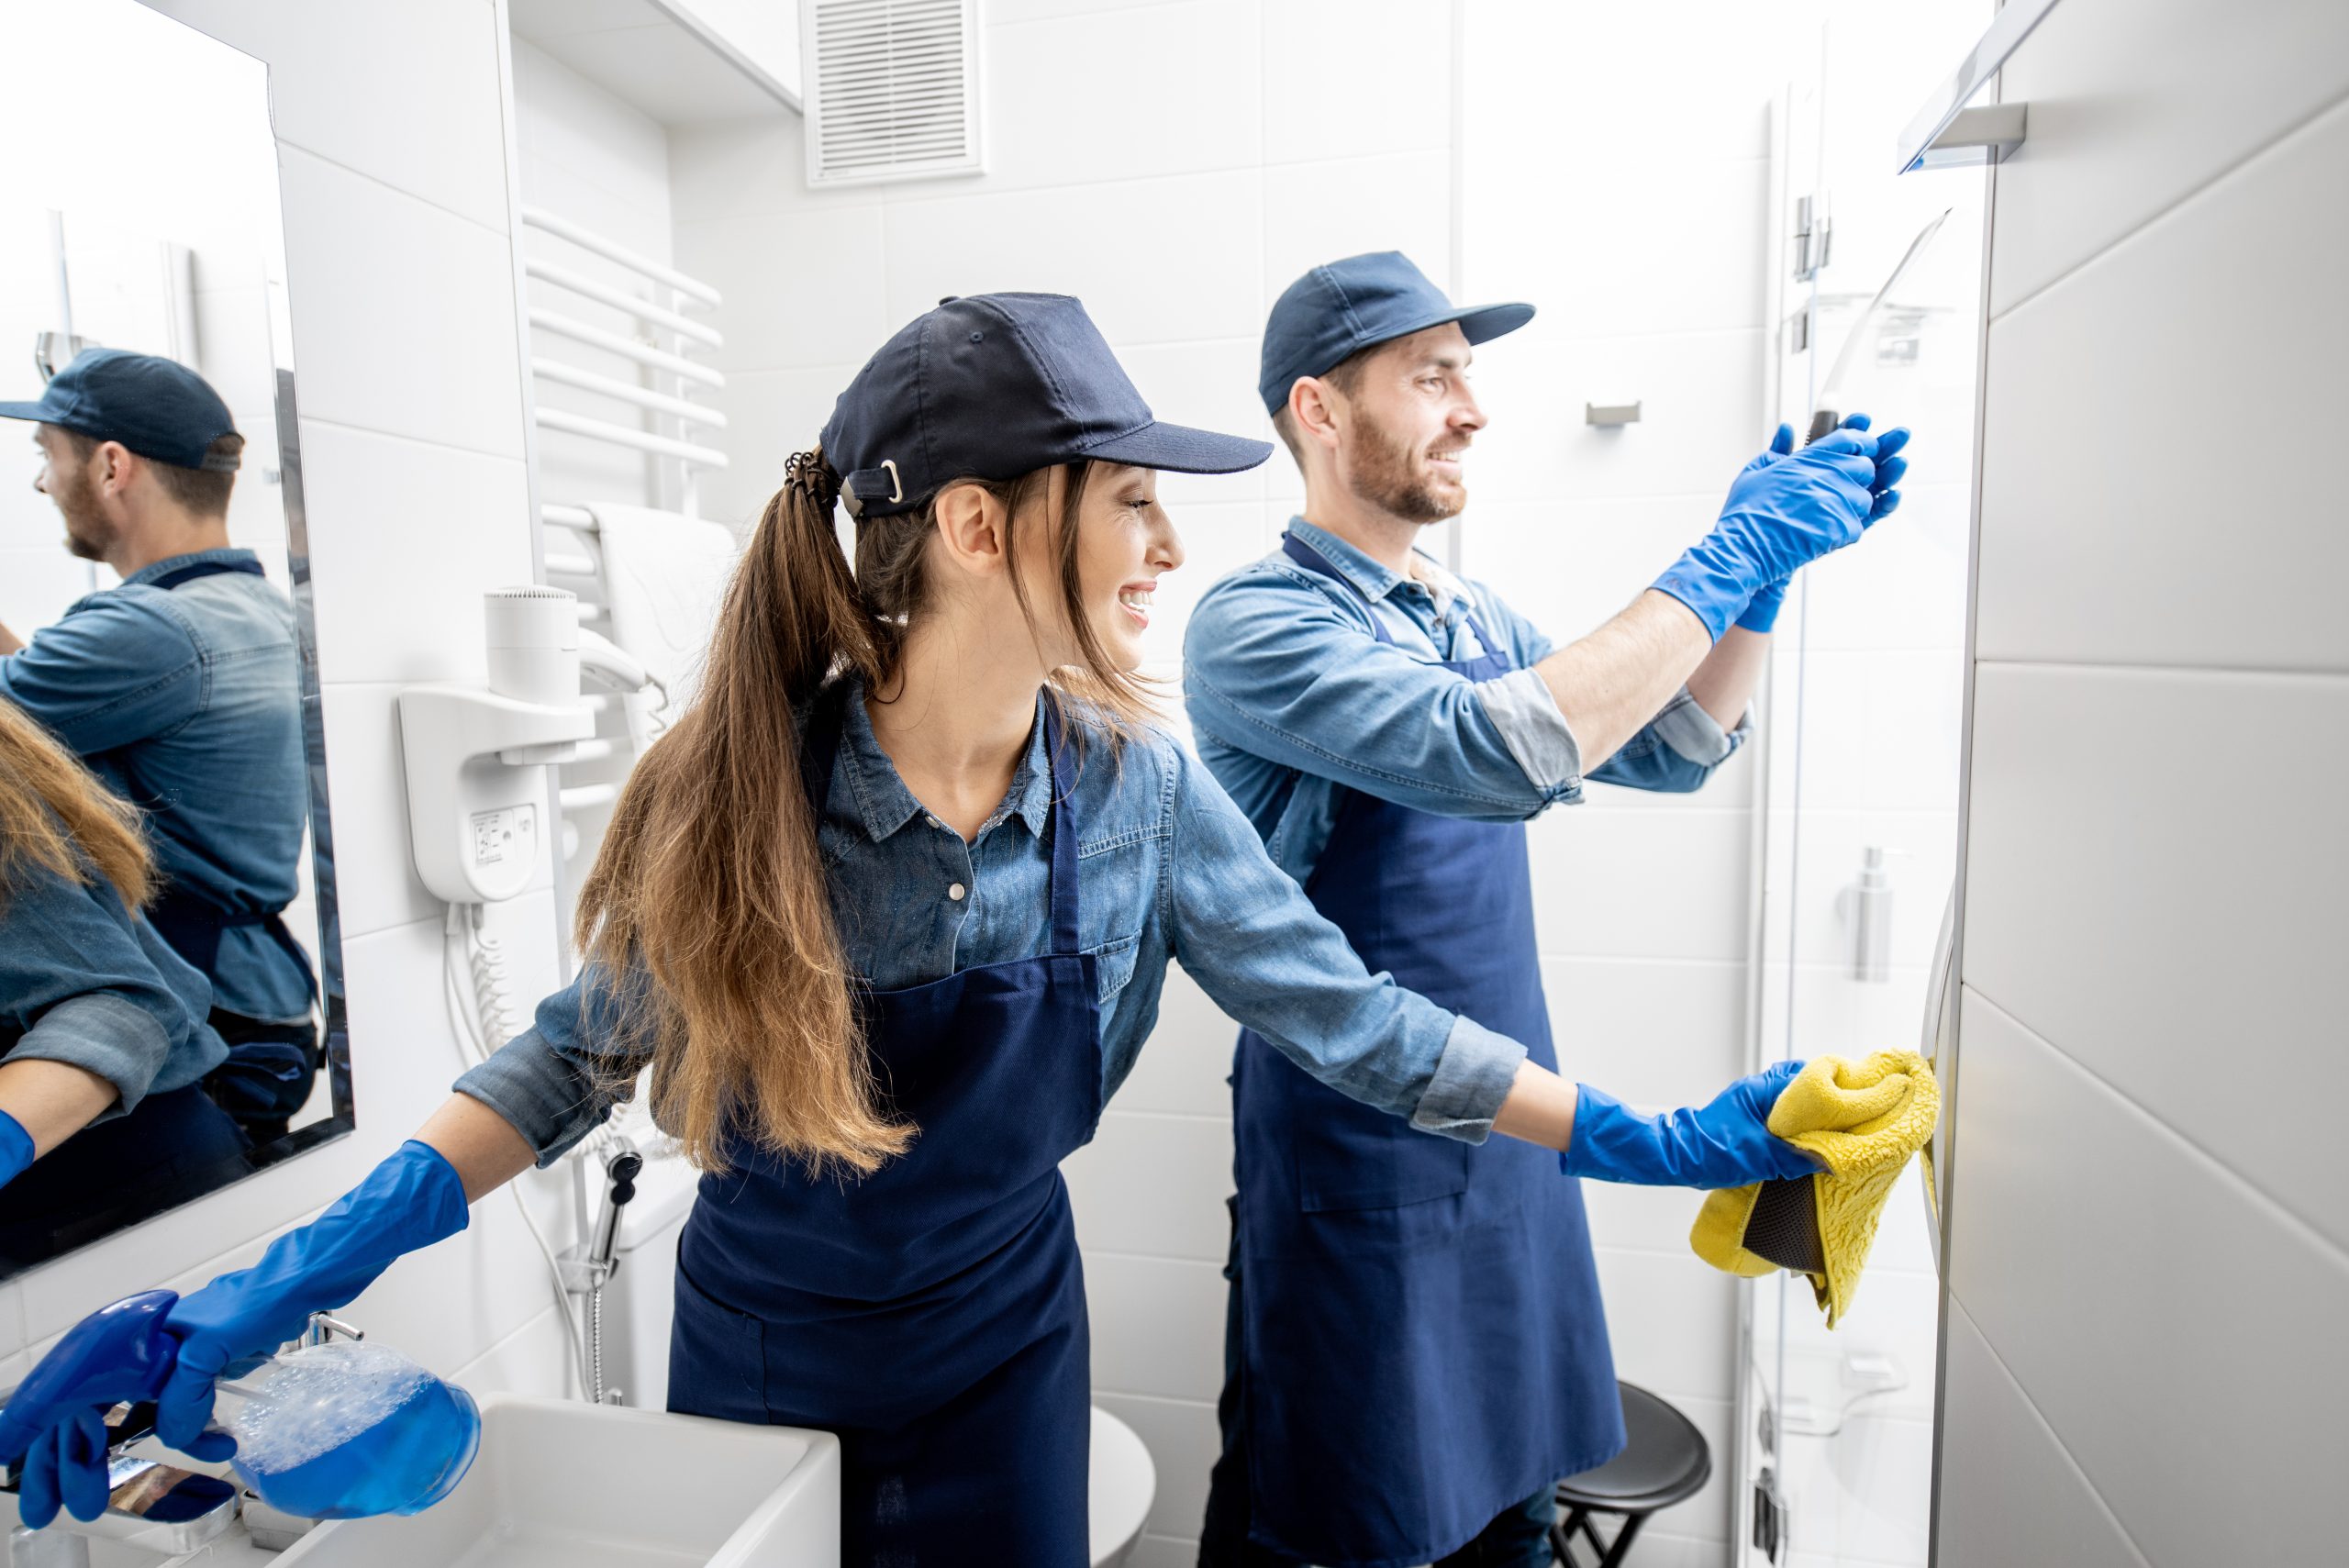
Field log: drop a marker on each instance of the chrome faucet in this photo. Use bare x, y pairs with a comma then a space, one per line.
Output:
135, 1486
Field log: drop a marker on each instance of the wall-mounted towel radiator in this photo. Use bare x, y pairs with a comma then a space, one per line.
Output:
658, 402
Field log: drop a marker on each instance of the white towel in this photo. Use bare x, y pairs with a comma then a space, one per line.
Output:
665, 575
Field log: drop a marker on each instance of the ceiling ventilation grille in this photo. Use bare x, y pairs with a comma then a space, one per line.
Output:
892, 89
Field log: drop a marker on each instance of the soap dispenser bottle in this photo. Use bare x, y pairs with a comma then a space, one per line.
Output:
1872, 919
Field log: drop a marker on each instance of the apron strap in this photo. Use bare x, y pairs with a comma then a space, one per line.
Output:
1312, 560
192, 926
1066, 939
819, 745
170, 580
1492, 650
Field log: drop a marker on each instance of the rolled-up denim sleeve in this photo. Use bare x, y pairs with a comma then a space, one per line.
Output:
74, 979
115, 671
1246, 932
1676, 751
557, 1081
106, 1034
1276, 668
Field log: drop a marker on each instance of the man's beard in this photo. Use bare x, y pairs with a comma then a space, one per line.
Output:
1385, 474
86, 533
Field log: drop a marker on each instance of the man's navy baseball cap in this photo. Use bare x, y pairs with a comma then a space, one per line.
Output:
994, 386
157, 408
1336, 311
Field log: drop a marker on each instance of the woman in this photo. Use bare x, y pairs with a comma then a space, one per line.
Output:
103, 1044
888, 913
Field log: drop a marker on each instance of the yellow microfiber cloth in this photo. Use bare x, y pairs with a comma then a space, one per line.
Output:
1863, 1119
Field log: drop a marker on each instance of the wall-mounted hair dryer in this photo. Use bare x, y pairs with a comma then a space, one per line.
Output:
476, 758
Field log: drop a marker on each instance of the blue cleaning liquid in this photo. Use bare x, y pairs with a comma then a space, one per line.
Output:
403, 1464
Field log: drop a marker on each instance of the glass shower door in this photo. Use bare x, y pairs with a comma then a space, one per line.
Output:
1863, 719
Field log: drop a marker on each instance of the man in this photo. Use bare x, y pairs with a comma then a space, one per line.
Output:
181, 688
1415, 1346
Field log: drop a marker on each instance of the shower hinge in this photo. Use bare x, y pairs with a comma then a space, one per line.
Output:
1769, 1515
1814, 237
1799, 330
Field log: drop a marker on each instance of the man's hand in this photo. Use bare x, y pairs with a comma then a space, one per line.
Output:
1762, 610
1784, 511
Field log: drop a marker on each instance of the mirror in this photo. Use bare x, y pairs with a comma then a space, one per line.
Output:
158, 631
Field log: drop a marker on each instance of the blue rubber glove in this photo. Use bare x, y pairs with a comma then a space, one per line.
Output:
54, 1422
1762, 610
411, 1200
1784, 510
1727, 1143
15, 1148
65, 1465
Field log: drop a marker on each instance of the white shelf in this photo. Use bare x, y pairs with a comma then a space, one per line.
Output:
655, 55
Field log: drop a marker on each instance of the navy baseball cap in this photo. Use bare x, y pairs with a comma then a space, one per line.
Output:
997, 385
1335, 311
157, 408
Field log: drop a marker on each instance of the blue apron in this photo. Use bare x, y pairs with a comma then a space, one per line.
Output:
932, 1314
1422, 1341
270, 1067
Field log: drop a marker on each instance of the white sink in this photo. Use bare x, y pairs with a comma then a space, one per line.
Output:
563, 1485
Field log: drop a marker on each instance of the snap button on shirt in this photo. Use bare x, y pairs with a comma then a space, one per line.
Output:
956, 892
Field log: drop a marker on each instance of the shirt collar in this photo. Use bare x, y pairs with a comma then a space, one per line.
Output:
155, 569
885, 805
1375, 581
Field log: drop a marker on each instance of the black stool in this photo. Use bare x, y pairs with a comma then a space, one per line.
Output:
1665, 1461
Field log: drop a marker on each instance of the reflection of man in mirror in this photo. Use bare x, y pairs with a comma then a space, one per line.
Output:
181, 688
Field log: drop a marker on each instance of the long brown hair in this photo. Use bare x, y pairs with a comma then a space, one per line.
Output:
706, 917
51, 806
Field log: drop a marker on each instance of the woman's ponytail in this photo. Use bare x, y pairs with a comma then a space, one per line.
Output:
710, 885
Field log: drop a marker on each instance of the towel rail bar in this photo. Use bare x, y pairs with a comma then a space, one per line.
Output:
578, 519
621, 436
619, 299
603, 747
571, 565
605, 386
587, 797
625, 348
539, 218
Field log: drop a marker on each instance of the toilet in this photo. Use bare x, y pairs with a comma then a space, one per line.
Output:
1123, 1483
1122, 1486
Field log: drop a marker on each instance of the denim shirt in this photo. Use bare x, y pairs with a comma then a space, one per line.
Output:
1169, 869
1293, 700
84, 982
188, 702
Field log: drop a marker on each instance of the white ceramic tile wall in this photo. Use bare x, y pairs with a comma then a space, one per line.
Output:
2010, 1493
2200, 98
402, 289
2143, 1362
2140, 519
2177, 1327
2074, 927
